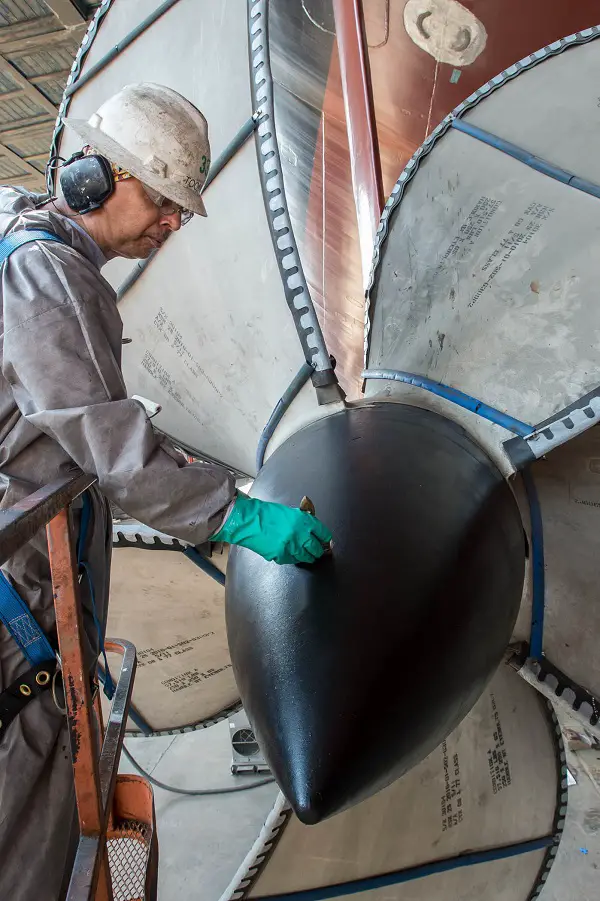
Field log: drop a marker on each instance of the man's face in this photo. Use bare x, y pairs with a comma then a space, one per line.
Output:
133, 226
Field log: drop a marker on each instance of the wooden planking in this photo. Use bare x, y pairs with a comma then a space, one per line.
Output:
26, 127
35, 157
33, 183
31, 28
29, 143
60, 75
66, 12
25, 164
29, 89
11, 95
61, 29
44, 41
49, 76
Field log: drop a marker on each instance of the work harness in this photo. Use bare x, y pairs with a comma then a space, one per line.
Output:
15, 614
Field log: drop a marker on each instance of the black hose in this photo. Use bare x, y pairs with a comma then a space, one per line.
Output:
194, 791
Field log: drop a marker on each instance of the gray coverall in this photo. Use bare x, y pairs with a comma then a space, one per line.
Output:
63, 403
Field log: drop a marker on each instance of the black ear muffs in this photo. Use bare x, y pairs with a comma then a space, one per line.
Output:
86, 181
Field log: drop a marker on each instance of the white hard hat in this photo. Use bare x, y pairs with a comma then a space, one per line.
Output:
156, 135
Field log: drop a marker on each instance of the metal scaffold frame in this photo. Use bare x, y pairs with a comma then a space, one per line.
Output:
117, 837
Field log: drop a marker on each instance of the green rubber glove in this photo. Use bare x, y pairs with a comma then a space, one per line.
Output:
276, 532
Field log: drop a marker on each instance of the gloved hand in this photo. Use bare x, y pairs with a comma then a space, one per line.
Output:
276, 532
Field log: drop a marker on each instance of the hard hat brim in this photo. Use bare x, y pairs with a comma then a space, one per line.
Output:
113, 151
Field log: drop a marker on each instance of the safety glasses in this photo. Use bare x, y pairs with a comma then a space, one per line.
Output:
166, 206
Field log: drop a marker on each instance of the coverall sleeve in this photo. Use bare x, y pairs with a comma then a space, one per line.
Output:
61, 335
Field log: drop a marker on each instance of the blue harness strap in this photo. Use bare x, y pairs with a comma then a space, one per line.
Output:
11, 242
22, 626
21, 623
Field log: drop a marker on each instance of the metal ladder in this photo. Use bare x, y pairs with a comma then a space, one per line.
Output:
117, 853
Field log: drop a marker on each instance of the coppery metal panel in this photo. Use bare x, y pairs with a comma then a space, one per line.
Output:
360, 124
412, 92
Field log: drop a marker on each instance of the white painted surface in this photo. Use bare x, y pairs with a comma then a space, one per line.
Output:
488, 278
213, 341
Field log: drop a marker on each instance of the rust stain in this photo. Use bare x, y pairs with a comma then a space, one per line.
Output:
73, 723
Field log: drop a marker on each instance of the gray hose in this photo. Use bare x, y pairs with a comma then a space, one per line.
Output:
194, 791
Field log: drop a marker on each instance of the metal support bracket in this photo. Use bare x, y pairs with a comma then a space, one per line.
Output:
560, 691
573, 420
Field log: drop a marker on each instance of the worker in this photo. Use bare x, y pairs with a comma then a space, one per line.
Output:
64, 406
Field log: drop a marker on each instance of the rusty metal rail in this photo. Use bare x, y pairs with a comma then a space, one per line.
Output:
19, 523
117, 846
